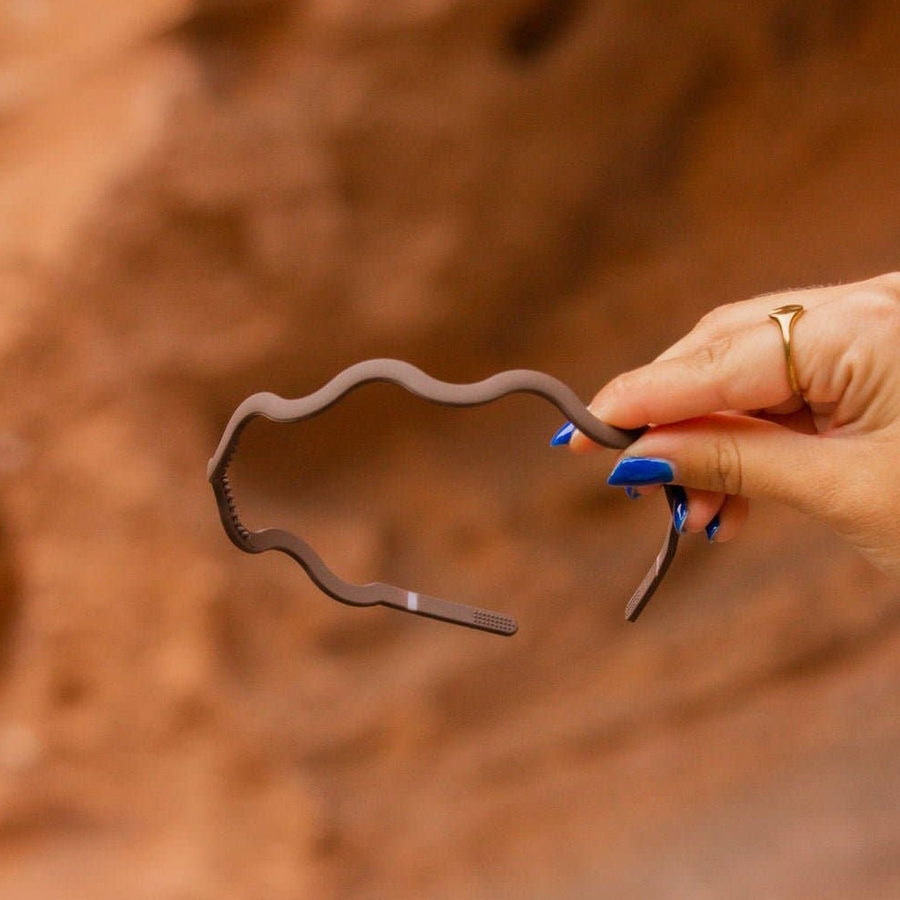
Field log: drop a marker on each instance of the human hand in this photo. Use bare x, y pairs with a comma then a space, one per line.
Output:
728, 427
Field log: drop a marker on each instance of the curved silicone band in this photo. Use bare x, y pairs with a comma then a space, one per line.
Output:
279, 409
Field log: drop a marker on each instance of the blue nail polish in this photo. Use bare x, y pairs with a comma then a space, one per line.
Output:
632, 493
713, 528
638, 470
680, 513
563, 436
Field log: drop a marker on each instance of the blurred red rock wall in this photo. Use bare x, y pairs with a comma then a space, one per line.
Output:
199, 200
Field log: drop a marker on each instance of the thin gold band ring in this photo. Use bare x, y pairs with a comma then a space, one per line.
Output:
785, 317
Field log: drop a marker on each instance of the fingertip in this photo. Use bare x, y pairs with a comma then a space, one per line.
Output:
580, 443
620, 401
703, 507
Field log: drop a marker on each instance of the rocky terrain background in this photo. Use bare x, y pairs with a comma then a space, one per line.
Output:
204, 198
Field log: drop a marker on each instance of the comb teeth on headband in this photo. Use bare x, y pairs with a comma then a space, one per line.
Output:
517, 381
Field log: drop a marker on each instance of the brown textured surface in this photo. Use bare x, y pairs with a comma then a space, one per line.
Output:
201, 200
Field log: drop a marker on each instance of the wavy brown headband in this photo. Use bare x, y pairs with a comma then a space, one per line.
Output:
518, 381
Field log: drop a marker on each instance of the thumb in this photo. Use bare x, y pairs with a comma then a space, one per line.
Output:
742, 455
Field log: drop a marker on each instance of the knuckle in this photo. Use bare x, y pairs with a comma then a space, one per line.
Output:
711, 354
878, 297
889, 283
878, 302
726, 470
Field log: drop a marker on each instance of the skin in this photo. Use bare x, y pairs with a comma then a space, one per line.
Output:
726, 419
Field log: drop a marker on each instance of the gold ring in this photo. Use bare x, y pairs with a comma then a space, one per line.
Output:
784, 317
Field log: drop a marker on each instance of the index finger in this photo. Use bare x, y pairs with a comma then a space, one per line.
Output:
744, 370
733, 317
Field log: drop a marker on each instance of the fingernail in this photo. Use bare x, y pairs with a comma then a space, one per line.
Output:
638, 470
563, 436
679, 509
632, 493
713, 528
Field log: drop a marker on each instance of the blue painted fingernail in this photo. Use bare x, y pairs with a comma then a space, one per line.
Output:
679, 509
563, 436
713, 528
632, 493
638, 470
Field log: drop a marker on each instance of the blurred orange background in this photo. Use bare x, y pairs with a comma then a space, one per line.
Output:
199, 200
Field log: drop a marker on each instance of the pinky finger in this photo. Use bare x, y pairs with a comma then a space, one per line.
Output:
729, 520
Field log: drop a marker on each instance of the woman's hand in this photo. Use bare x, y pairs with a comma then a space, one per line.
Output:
728, 427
